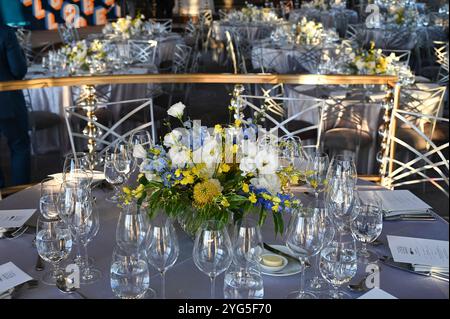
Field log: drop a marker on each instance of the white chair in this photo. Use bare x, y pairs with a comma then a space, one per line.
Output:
403, 55
143, 51
164, 24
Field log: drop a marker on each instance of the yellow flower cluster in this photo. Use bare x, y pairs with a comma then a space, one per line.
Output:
205, 192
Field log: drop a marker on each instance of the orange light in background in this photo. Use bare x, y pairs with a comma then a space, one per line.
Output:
38, 12
228, 4
56, 4
27, 3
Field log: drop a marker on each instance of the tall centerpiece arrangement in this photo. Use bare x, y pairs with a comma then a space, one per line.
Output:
124, 28
222, 173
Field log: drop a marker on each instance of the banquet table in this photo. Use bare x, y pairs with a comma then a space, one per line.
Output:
250, 31
185, 281
55, 99
338, 19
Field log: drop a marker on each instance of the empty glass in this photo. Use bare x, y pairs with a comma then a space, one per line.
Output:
122, 158
48, 202
338, 264
130, 277
247, 241
112, 176
54, 244
139, 141
131, 228
366, 228
304, 238
162, 247
213, 252
78, 162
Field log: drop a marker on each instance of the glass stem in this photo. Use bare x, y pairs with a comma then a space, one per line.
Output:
316, 269
86, 270
163, 284
302, 275
364, 248
213, 286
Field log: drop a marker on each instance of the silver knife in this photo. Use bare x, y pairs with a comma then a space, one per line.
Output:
403, 266
410, 217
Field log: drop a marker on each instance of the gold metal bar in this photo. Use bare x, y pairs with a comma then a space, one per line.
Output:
199, 78
393, 132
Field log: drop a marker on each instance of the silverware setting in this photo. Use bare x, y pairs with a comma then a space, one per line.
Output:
12, 233
411, 217
389, 261
359, 286
62, 284
15, 291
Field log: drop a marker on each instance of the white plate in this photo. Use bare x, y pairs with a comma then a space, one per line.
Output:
291, 268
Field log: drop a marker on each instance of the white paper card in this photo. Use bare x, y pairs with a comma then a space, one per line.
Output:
11, 276
419, 251
377, 293
15, 217
395, 202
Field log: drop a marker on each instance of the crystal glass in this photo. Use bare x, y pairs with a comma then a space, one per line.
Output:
122, 158
48, 206
247, 241
316, 174
112, 176
139, 140
162, 247
325, 223
304, 238
54, 244
76, 162
340, 200
130, 277
343, 166
338, 264
131, 228
213, 252
366, 228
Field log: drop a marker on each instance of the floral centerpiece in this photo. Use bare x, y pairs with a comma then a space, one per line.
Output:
85, 57
402, 16
308, 32
316, 4
124, 28
222, 173
252, 13
371, 62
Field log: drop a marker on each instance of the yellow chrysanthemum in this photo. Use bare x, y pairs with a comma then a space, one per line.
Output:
252, 198
245, 188
205, 192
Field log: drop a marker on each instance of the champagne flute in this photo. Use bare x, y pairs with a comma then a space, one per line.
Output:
316, 174
53, 243
122, 158
304, 239
212, 251
112, 176
162, 247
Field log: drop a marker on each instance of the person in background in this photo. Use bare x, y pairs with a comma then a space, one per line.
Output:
13, 111
164, 8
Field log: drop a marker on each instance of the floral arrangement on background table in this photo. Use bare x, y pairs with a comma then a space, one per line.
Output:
308, 32
124, 28
402, 16
199, 174
316, 4
252, 13
84, 56
371, 62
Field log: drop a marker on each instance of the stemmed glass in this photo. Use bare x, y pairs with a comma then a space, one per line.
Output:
243, 279
162, 247
140, 141
122, 158
338, 264
304, 239
316, 174
212, 251
326, 224
130, 278
366, 228
112, 176
76, 162
343, 166
53, 243
48, 202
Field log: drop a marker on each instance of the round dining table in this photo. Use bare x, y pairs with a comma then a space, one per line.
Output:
184, 280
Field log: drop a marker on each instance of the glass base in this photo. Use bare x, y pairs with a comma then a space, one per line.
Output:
367, 256
339, 294
49, 278
301, 295
77, 261
93, 276
318, 284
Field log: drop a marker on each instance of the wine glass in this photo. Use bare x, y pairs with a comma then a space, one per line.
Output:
139, 141
212, 251
162, 247
304, 239
48, 205
122, 158
243, 278
112, 176
76, 162
54, 244
338, 264
316, 174
366, 228
343, 166
325, 223
130, 278
86, 228
131, 228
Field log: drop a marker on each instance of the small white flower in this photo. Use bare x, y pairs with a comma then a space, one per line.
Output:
176, 110
266, 162
179, 155
247, 165
172, 138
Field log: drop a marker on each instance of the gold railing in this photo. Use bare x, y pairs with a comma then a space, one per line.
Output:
313, 79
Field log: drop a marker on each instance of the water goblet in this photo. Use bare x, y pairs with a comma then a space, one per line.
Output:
48, 201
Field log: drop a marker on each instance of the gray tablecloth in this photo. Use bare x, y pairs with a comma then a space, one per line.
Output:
249, 31
185, 281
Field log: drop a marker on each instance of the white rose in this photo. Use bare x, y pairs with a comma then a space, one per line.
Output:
270, 182
172, 138
179, 155
266, 162
176, 110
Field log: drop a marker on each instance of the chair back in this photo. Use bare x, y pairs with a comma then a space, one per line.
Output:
143, 51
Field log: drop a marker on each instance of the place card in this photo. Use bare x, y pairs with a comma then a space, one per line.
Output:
419, 251
15, 218
11, 276
395, 202
377, 293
